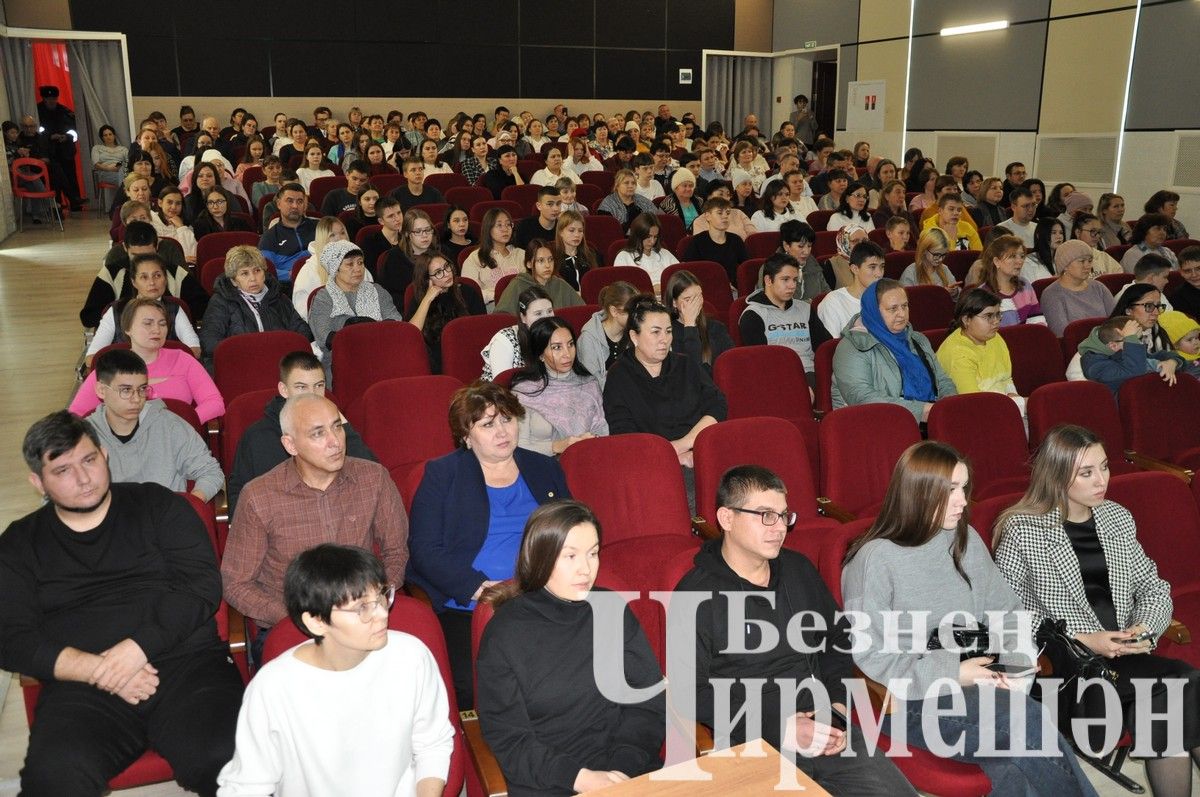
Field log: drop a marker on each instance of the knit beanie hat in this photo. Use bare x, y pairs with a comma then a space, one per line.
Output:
333, 254
681, 176
1068, 252
1177, 325
739, 176
1076, 202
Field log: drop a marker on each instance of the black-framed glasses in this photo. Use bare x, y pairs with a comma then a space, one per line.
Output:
937, 257
1150, 307
214, 203
366, 609
769, 516
441, 272
126, 391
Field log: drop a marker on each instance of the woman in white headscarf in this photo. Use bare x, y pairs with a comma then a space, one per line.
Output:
347, 297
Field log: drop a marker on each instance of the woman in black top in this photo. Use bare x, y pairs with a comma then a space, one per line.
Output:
364, 212
456, 232
987, 211
693, 333
216, 217
551, 728
437, 299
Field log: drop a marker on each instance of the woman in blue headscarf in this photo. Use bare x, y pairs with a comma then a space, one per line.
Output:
881, 358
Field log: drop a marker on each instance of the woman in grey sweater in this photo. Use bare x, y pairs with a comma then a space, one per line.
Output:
921, 556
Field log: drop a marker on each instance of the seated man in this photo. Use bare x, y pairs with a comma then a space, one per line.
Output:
717, 243
140, 239
145, 441
260, 449
317, 495
752, 511
109, 595
545, 223
774, 316
414, 191
339, 200
316, 719
288, 241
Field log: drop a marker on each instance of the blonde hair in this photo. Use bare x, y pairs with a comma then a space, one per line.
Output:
934, 236
324, 231
132, 178
243, 256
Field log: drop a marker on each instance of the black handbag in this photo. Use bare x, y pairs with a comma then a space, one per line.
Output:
971, 642
1071, 658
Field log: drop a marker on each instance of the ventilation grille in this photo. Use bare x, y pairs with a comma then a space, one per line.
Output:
979, 150
1187, 162
1079, 159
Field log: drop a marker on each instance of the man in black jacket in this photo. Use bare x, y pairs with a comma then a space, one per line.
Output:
109, 595
260, 448
753, 513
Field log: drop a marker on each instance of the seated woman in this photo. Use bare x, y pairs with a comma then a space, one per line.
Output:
173, 373
928, 195
246, 298
563, 402
1111, 210
530, 713
974, 354
929, 267
168, 222
1148, 235
644, 249
344, 147
892, 203
376, 160
495, 257
847, 238
363, 214
776, 208
852, 209
478, 162
693, 334
468, 513
417, 238
739, 223
838, 308
1048, 235
603, 336
988, 211
921, 555
1075, 294
507, 348
438, 298
567, 197
1167, 203
682, 201
573, 254
950, 219
1144, 302
456, 233
206, 178
898, 230
884, 172
625, 204
108, 155
1001, 274
348, 297
742, 197
312, 275
315, 165
542, 271
1101, 583
1089, 229
433, 159
216, 217
554, 170
147, 279
652, 389
882, 359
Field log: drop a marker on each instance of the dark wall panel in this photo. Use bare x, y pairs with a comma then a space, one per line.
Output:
695, 25
296, 73
239, 65
682, 59
632, 23
636, 74
562, 24
1164, 93
556, 72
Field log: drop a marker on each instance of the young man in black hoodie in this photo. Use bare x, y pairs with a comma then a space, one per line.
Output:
750, 557
260, 448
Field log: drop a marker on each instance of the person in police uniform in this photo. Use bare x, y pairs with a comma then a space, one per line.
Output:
58, 122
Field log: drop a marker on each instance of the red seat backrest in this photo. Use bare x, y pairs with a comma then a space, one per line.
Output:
523, 195
1168, 523
320, 187
894, 263
602, 179
240, 413
364, 354
714, 281
763, 244
819, 220
615, 248
463, 342
188, 413
216, 244
366, 232
670, 231
597, 279
405, 421
986, 428
734, 318
833, 552
251, 361
515, 211
600, 231
587, 194
826, 243
747, 275
445, 181
929, 307
1158, 418
960, 261
1087, 404
1075, 333
1035, 355
577, 316
823, 369
859, 449
983, 514
1114, 282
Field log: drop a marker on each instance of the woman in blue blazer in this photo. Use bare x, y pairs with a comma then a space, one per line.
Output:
469, 514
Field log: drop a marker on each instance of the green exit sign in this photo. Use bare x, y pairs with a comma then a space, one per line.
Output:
810, 45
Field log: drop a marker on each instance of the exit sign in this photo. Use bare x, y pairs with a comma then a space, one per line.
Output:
810, 45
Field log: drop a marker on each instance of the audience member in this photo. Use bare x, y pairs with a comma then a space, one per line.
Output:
574, 255
287, 241
1089, 229
1002, 261
414, 191
1167, 204
929, 267
693, 333
544, 223
840, 306
1048, 235
1115, 352
716, 243
542, 271
1074, 295
148, 280
683, 201
603, 336
973, 354
1115, 231
348, 297
1187, 296
774, 316
496, 256
246, 298
1149, 233
1024, 206
644, 249
438, 298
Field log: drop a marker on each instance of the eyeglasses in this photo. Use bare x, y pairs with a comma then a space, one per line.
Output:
858, 196
1150, 307
936, 257
441, 272
1090, 230
126, 392
503, 225
769, 516
992, 317
422, 231
212, 203
365, 609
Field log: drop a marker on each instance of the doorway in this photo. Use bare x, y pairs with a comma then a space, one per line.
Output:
824, 94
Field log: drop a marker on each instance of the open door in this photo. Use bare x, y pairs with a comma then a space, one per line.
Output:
824, 94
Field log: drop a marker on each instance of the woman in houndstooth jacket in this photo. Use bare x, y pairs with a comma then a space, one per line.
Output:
1071, 555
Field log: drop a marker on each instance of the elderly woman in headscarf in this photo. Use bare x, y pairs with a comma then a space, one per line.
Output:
847, 238
347, 299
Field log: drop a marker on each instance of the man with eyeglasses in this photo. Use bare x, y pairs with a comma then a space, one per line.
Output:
144, 440
358, 709
109, 593
749, 557
1089, 229
1014, 176
414, 191
319, 494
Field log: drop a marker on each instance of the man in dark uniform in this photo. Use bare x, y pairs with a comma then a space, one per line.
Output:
58, 122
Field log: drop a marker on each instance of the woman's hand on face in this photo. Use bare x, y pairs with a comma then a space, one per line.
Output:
689, 310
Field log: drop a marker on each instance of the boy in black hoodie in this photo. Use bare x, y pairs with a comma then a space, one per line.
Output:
752, 511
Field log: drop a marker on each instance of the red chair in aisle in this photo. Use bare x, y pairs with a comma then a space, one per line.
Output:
597, 279
364, 354
772, 443
1168, 525
713, 280
740, 373
1035, 356
251, 362
31, 181
215, 245
1159, 426
859, 449
986, 428
632, 482
463, 341
405, 423
1087, 404
412, 617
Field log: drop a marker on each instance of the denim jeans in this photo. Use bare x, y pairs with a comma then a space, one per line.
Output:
1055, 774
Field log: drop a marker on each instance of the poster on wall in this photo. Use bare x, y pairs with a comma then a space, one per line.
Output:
865, 105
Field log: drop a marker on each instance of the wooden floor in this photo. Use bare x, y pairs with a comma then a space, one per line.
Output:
44, 277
